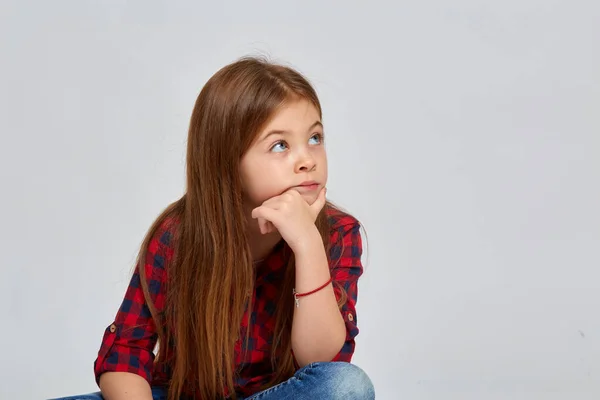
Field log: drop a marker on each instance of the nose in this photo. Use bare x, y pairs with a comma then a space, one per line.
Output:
305, 163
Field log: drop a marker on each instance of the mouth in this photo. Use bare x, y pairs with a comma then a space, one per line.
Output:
309, 185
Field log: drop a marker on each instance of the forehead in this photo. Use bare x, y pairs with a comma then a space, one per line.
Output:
293, 115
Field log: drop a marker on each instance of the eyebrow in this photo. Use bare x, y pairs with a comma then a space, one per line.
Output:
283, 131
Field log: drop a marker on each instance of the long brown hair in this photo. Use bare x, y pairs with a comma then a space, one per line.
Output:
211, 275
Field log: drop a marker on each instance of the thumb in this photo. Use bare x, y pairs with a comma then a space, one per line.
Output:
318, 205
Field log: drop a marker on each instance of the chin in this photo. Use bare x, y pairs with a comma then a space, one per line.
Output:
310, 198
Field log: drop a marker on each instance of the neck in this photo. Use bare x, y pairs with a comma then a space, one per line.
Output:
262, 245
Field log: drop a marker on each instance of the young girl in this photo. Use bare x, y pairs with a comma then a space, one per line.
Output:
248, 283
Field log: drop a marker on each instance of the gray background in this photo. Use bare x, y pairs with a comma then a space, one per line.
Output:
465, 135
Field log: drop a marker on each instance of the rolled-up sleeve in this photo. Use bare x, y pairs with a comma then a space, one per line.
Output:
345, 256
128, 342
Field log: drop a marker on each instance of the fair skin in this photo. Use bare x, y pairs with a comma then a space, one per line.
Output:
287, 152
124, 385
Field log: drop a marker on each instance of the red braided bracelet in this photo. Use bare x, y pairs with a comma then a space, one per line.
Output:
297, 295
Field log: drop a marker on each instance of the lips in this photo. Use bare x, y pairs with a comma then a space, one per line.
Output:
309, 183
309, 186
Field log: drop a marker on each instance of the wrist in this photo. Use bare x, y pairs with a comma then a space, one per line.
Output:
308, 242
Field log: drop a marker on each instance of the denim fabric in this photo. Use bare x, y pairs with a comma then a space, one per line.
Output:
321, 380
326, 381
158, 393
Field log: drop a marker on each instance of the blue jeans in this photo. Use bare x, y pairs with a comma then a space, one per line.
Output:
321, 380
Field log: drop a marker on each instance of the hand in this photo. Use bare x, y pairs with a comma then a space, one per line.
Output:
291, 215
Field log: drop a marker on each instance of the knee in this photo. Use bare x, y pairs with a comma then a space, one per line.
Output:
346, 381
90, 396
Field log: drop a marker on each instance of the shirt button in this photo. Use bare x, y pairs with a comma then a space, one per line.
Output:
112, 328
350, 317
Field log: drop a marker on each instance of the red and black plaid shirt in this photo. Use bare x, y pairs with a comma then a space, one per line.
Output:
128, 343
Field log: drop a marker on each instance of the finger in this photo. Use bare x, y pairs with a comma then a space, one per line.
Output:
270, 227
274, 202
263, 224
271, 201
267, 213
319, 203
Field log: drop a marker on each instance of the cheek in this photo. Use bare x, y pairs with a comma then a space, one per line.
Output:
266, 186
323, 163
260, 183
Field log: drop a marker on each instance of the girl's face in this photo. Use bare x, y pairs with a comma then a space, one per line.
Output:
286, 154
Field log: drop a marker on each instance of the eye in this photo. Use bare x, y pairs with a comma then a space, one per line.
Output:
318, 137
279, 147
